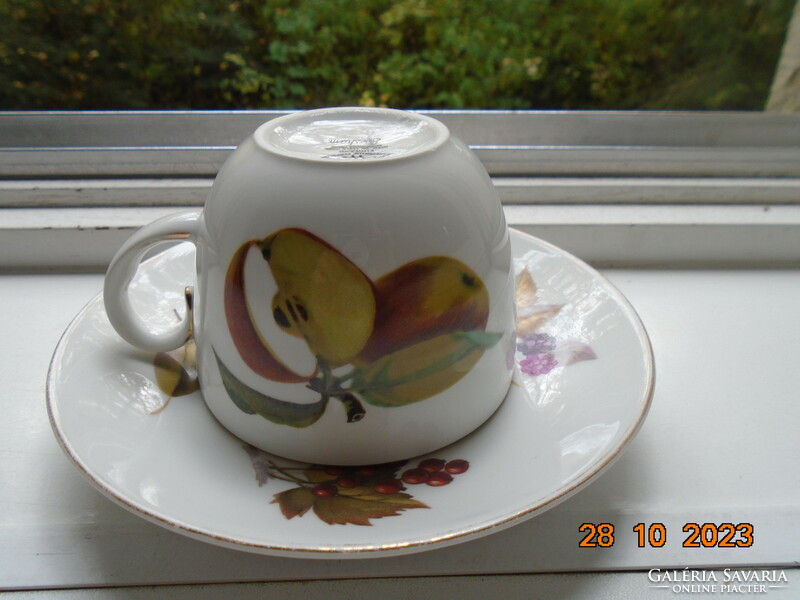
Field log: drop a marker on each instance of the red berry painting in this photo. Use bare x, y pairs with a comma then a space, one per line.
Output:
352, 495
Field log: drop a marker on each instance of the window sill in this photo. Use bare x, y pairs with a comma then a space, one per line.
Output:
721, 431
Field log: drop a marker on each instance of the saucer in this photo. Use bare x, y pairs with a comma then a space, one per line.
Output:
581, 390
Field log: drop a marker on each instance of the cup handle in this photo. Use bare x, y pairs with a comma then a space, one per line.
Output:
182, 226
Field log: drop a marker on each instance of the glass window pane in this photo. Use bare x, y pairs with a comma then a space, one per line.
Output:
487, 54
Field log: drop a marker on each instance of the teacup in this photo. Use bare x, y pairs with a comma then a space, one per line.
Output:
353, 300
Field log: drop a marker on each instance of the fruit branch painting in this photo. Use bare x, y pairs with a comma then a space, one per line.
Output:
403, 338
358, 495
352, 495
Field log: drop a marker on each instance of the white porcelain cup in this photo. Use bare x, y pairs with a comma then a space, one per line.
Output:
353, 300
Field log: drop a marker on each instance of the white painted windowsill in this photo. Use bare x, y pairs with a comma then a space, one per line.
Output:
720, 445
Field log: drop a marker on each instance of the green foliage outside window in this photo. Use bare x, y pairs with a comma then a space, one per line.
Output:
567, 54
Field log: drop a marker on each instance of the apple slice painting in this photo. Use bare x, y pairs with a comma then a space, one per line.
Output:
408, 336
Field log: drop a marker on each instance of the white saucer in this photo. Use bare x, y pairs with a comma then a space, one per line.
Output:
173, 464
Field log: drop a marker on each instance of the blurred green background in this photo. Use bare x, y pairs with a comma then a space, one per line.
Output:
513, 54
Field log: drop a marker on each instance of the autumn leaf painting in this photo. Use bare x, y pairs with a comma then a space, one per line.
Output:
352, 495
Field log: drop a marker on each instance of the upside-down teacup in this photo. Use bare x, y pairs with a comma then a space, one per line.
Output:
353, 296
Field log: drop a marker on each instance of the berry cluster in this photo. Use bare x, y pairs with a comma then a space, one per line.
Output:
383, 479
538, 349
434, 471
378, 477
537, 343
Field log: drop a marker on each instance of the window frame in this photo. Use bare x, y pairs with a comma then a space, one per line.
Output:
617, 188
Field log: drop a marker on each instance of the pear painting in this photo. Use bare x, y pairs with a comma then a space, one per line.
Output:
403, 338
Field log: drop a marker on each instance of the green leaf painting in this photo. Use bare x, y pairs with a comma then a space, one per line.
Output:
252, 402
422, 370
